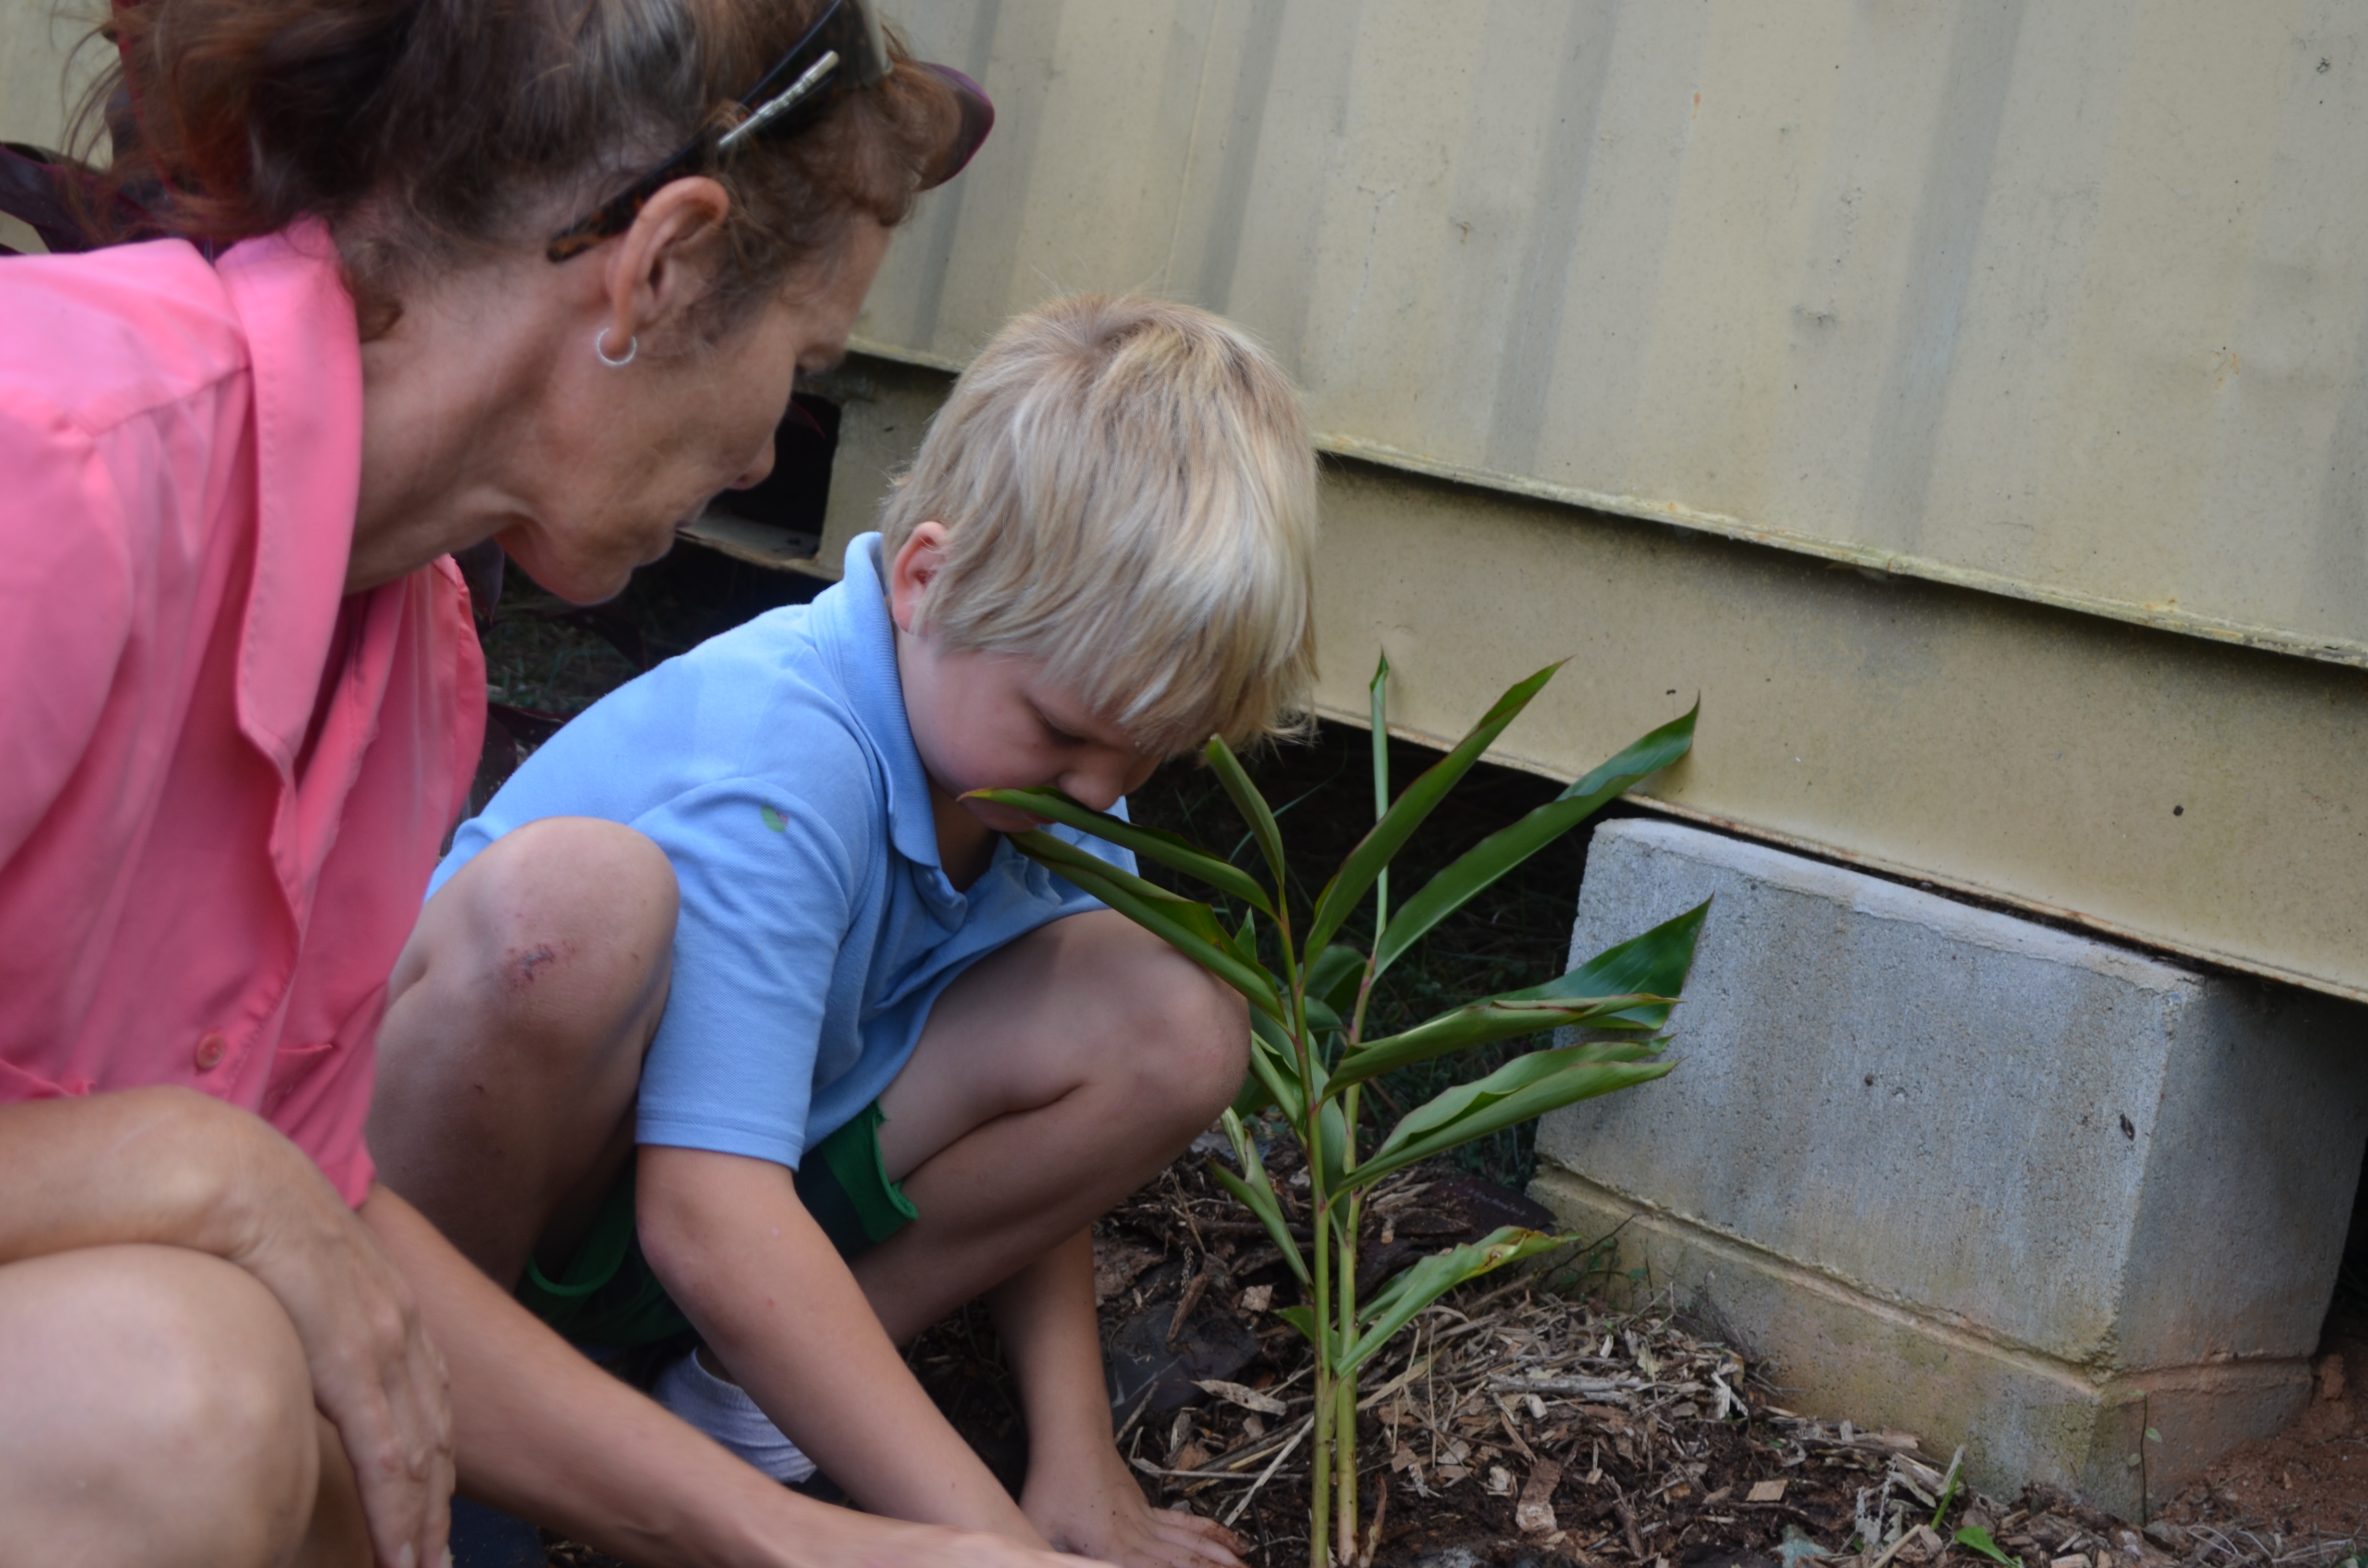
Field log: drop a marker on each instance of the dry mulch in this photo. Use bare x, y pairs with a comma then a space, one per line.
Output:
1524, 1422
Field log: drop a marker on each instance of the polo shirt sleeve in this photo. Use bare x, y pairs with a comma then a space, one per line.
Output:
65, 607
769, 890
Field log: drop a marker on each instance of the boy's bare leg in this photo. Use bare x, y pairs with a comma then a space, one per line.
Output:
1053, 1078
508, 1065
520, 1010
155, 1409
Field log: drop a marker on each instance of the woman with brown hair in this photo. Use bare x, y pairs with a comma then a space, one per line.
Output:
438, 271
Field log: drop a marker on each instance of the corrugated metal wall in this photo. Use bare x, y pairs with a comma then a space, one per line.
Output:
2065, 304
2068, 302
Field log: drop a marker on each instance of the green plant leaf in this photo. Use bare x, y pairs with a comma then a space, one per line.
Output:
1524, 1087
1266, 1211
1479, 1023
1486, 861
1190, 928
1303, 1320
1257, 1192
1332, 977
1973, 1538
1948, 1488
1378, 720
1333, 1128
1398, 824
1275, 1066
1251, 804
1151, 843
1395, 1304
1655, 962
1254, 1095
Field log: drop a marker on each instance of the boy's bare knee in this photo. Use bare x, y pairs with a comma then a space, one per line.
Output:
1202, 1028
157, 1397
567, 917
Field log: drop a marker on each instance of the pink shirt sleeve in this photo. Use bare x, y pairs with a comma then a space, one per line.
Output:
58, 652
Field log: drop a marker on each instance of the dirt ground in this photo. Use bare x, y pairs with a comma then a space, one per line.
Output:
1527, 1423
2310, 1480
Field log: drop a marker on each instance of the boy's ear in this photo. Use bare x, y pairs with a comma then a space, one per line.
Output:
917, 562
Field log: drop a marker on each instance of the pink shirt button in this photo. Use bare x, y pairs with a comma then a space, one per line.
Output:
209, 1054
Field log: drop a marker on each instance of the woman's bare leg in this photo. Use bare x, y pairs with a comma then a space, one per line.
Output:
154, 1409
521, 1009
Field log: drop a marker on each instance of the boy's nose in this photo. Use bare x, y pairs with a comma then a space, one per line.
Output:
1101, 786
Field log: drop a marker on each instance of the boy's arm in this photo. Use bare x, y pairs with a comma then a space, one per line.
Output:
544, 1432
736, 1249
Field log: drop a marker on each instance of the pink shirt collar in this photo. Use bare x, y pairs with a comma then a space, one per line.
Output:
299, 321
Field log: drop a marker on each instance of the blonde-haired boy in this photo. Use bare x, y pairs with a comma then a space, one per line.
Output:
895, 1065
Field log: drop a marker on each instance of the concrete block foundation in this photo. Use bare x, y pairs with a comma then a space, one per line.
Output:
1959, 1173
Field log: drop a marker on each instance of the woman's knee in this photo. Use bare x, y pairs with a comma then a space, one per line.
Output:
155, 1395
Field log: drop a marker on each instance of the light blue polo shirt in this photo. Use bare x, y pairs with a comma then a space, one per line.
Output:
773, 765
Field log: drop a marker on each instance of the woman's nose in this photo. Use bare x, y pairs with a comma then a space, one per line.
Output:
754, 474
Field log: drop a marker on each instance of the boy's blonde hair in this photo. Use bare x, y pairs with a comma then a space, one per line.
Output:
1128, 492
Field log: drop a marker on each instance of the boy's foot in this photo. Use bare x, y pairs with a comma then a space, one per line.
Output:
1096, 1509
723, 1411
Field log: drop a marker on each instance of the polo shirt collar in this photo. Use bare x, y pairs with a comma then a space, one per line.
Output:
304, 354
876, 693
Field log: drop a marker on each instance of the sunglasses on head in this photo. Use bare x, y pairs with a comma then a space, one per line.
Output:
842, 52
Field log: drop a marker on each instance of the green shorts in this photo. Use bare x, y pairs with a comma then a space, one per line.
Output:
608, 1294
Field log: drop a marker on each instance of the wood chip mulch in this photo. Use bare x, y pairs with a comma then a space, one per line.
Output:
1525, 1421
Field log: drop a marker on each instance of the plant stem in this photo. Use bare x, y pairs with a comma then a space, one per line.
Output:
1344, 1423
1328, 1354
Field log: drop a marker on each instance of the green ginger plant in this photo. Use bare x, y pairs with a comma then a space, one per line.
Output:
1308, 1051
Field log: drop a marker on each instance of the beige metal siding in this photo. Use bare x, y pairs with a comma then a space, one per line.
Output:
2208, 800
2068, 302
37, 42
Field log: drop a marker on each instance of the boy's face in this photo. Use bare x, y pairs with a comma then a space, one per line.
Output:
993, 721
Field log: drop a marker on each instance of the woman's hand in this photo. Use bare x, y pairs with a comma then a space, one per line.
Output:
887, 1542
375, 1374
175, 1168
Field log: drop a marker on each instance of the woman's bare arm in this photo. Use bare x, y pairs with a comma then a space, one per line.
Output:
173, 1168
544, 1433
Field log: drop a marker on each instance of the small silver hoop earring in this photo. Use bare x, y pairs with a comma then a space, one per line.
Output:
600, 348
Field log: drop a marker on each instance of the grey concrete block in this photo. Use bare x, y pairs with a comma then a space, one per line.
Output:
1993, 1182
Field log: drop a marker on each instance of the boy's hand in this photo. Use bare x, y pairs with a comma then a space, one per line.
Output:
1097, 1510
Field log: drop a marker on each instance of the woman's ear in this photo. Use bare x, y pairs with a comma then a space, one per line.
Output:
662, 265
919, 561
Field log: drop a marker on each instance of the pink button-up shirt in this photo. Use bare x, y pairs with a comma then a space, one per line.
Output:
223, 783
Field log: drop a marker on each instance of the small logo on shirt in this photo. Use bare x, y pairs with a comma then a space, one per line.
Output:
773, 818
